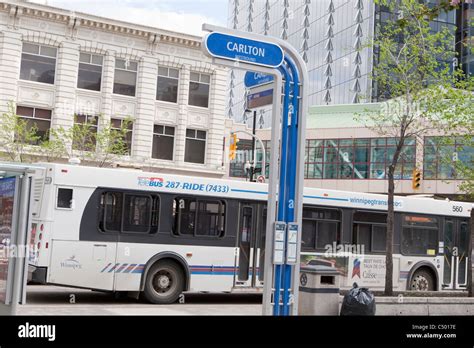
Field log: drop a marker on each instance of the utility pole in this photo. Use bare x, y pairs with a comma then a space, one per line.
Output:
252, 168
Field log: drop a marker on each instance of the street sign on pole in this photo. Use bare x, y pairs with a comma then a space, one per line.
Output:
255, 79
254, 52
259, 99
236, 48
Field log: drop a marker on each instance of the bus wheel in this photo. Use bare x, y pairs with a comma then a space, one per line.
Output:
422, 280
164, 282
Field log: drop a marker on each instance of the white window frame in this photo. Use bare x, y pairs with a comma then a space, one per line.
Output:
40, 55
90, 63
195, 138
168, 76
136, 76
205, 83
166, 135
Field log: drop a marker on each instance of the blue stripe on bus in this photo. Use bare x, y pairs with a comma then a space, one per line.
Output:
314, 197
250, 191
105, 267
122, 267
129, 268
195, 269
213, 270
139, 269
328, 198
113, 268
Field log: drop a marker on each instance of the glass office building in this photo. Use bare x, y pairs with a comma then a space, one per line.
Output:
465, 37
332, 37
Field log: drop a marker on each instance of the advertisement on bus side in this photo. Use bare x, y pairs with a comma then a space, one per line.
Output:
367, 271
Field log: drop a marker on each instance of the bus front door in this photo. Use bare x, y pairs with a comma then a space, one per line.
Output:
251, 246
456, 258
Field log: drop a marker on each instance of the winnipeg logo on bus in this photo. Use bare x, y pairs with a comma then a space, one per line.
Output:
151, 182
71, 263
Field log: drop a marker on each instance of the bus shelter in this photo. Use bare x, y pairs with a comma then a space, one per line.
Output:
15, 208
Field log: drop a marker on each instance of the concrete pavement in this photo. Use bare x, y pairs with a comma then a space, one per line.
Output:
56, 300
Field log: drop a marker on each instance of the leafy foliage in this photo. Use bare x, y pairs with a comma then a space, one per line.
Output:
16, 136
20, 142
415, 69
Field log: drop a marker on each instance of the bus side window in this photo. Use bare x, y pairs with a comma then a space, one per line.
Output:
65, 200
321, 228
113, 211
137, 213
211, 219
198, 217
419, 235
184, 213
370, 231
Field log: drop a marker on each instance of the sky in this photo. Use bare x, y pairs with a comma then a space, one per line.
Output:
186, 16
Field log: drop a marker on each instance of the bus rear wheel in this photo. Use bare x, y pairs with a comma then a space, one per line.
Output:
164, 283
422, 280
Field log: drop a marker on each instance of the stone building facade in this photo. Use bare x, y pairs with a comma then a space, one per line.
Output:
55, 64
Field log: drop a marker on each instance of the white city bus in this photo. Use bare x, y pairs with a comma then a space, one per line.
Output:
159, 235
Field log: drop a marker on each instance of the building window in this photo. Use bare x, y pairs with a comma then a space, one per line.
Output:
85, 132
37, 119
198, 217
439, 155
118, 124
38, 63
419, 235
90, 71
195, 149
163, 142
357, 158
167, 85
199, 86
125, 80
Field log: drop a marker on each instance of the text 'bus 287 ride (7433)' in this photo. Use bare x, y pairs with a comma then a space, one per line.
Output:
160, 235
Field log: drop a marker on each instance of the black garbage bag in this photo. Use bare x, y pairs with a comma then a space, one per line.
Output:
358, 301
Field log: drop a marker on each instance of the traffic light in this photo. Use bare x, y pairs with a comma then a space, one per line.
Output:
233, 146
416, 179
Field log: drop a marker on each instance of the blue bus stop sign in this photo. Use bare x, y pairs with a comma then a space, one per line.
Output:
254, 79
248, 51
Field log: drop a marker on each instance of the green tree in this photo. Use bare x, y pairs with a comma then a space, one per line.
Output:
17, 136
21, 142
112, 142
457, 122
413, 69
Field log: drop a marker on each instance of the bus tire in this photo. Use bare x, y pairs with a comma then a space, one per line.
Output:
422, 280
164, 282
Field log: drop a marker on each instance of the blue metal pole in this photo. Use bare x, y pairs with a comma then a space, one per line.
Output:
291, 178
282, 189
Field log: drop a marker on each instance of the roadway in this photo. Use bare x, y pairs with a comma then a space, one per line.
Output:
56, 300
